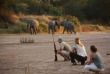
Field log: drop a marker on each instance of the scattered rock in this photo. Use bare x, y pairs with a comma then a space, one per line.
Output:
108, 54
26, 40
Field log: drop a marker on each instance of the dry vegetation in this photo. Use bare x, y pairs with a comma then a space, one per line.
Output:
18, 25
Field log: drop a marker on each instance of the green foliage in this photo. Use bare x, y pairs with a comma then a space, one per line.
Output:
43, 27
17, 28
56, 11
60, 3
98, 9
82, 9
38, 8
20, 7
75, 8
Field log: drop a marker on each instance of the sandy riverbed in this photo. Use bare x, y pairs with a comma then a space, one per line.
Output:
38, 57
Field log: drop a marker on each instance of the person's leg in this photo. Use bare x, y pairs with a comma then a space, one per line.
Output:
66, 54
92, 68
94, 71
80, 59
83, 60
63, 55
72, 56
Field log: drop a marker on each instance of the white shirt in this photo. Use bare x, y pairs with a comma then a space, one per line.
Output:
81, 50
65, 46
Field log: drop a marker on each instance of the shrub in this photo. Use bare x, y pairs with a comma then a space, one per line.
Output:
98, 28
17, 28
56, 11
43, 27
74, 19
13, 18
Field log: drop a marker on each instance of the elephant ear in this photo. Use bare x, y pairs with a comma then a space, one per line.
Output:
63, 23
53, 22
33, 22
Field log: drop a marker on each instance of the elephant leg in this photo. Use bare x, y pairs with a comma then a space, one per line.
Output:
53, 28
74, 30
67, 30
64, 30
71, 31
49, 29
30, 30
34, 28
34, 31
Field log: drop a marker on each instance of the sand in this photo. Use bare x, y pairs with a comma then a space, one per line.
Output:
38, 57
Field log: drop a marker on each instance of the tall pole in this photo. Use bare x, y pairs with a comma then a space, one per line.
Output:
55, 50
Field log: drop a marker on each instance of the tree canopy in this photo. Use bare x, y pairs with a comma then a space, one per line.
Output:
83, 9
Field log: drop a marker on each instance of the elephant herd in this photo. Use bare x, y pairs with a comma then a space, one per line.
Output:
68, 26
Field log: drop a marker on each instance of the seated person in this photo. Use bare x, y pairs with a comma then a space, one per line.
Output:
95, 63
64, 50
78, 53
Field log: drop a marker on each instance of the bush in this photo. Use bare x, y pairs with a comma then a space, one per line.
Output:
56, 11
74, 19
19, 7
17, 28
43, 27
98, 28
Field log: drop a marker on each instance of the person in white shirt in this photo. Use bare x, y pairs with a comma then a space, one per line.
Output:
78, 53
64, 50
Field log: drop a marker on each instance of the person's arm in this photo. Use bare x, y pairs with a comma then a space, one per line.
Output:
90, 61
73, 49
61, 47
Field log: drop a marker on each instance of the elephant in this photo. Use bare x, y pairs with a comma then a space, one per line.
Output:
34, 24
52, 25
68, 25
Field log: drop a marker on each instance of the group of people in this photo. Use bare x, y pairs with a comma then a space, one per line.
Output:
78, 53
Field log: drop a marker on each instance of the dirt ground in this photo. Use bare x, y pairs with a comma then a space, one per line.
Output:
38, 57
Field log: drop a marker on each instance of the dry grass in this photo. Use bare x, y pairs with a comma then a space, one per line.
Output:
13, 18
90, 27
43, 24
42, 18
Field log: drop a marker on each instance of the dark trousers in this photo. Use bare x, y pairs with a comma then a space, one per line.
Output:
74, 57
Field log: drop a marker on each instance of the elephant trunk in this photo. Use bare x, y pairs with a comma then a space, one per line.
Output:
58, 26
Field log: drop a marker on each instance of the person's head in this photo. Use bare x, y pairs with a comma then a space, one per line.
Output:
93, 49
77, 41
60, 40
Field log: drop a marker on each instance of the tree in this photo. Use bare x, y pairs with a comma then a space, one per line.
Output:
98, 9
75, 8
